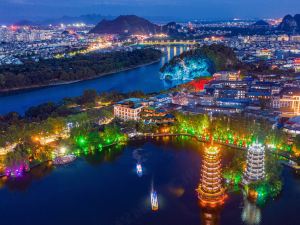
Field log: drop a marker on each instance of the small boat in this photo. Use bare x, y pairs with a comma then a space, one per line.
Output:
139, 169
154, 201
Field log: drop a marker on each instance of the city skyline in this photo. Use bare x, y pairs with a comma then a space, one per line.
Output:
14, 10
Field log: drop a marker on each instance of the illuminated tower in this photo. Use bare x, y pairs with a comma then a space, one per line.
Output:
210, 190
255, 170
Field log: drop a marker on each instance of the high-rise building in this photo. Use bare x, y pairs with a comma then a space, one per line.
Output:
210, 190
255, 170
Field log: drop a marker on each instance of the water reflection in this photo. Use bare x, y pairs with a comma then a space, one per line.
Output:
251, 214
24, 182
210, 216
107, 155
175, 164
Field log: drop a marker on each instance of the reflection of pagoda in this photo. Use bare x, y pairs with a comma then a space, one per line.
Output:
251, 214
210, 216
210, 191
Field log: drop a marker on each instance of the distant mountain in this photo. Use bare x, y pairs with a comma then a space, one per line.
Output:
297, 18
87, 19
25, 23
128, 24
171, 27
290, 23
260, 24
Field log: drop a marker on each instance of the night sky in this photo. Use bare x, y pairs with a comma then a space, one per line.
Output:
178, 9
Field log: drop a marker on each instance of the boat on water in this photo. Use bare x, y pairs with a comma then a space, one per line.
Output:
154, 201
139, 169
62, 160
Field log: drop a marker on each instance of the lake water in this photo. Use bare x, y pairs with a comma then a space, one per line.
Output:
146, 79
104, 189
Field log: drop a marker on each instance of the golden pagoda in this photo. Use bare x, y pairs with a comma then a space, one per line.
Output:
210, 190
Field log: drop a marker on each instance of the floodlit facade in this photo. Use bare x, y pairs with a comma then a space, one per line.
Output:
288, 103
128, 110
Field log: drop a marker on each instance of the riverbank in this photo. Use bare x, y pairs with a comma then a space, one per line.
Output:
37, 164
40, 86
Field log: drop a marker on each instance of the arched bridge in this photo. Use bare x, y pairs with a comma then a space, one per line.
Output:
169, 42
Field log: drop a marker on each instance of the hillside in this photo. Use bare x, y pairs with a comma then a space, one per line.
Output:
129, 24
199, 62
290, 23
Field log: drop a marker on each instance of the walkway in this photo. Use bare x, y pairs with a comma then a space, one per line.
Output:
293, 160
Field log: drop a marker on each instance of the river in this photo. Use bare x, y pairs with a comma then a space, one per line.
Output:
145, 78
104, 189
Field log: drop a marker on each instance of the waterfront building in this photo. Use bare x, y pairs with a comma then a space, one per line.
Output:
255, 170
128, 109
210, 190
